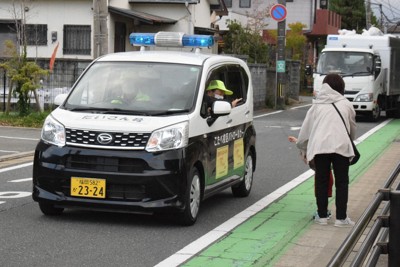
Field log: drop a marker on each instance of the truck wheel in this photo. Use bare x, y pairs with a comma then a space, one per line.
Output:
375, 114
192, 199
49, 209
244, 187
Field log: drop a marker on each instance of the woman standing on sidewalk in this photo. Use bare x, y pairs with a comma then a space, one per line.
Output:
324, 140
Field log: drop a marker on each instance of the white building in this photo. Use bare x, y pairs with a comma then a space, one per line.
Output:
75, 32
297, 11
85, 29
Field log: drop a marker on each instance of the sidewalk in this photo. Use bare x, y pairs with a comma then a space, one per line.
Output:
284, 235
318, 244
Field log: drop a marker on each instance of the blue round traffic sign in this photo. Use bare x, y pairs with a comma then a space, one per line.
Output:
278, 12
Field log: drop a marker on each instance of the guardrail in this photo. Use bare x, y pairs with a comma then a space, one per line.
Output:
386, 225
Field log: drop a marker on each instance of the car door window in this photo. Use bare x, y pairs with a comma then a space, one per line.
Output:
234, 78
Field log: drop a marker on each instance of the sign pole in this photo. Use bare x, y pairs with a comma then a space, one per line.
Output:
278, 13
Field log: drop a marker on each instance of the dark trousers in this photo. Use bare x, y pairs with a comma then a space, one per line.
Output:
340, 165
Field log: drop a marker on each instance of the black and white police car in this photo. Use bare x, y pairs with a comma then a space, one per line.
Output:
158, 151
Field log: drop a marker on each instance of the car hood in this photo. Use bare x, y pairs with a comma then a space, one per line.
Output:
113, 122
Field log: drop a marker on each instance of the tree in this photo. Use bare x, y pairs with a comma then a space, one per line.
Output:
295, 40
24, 75
247, 39
352, 12
24, 78
242, 41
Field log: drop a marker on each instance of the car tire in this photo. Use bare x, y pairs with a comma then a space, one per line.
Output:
244, 187
49, 209
192, 199
375, 114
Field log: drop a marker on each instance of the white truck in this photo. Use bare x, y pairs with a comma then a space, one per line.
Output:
370, 67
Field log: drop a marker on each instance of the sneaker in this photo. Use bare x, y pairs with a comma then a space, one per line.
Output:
344, 223
322, 221
317, 216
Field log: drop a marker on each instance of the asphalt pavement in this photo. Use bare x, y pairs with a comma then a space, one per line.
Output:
283, 234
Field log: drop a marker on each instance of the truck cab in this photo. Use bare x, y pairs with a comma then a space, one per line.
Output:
366, 65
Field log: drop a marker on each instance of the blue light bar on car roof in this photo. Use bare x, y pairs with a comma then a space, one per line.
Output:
142, 39
171, 39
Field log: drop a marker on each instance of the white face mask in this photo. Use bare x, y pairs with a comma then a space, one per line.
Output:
218, 96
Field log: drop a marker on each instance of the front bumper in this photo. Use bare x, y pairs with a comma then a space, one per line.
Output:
363, 106
136, 181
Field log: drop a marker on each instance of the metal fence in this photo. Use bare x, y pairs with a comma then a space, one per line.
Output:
59, 81
376, 242
66, 72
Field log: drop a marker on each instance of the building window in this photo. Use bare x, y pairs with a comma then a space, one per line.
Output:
36, 34
77, 40
228, 3
245, 3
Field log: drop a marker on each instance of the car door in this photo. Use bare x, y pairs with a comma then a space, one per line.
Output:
225, 139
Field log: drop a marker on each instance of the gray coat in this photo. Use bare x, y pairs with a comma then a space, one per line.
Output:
323, 131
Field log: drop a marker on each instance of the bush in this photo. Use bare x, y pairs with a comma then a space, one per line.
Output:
33, 120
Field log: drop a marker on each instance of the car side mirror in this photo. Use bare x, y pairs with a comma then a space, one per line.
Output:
59, 99
219, 108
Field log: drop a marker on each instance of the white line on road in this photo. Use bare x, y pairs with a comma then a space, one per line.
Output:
16, 167
268, 114
9, 151
279, 111
21, 180
19, 138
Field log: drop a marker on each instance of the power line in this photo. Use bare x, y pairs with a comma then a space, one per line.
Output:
388, 6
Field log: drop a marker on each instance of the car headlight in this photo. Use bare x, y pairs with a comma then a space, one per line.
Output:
53, 132
364, 98
171, 137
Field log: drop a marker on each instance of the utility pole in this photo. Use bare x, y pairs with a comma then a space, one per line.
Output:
278, 13
368, 13
100, 30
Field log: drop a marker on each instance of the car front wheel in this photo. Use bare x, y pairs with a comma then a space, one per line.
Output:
244, 187
192, 199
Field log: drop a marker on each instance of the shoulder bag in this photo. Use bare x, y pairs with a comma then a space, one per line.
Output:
356, 153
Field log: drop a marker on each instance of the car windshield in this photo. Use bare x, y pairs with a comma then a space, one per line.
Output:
345, 63
135, 88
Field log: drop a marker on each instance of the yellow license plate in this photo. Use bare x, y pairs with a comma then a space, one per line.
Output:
88, 187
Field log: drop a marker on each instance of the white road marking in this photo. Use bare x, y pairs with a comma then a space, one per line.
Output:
9, 151
21, 180
301, 106
268, 114
19, 138
277, 126
16, 167
14, 194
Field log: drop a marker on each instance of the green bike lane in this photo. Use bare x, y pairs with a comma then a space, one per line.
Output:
264, 237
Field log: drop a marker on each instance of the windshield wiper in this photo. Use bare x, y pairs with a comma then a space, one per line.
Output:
168, 112
358, 72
